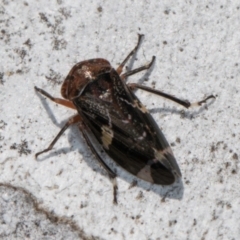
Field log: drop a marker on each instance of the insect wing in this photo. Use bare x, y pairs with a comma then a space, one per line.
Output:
126, 130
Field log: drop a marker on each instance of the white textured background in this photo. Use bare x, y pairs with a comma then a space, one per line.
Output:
197, 46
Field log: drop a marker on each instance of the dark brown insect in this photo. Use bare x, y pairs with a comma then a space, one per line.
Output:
109, 111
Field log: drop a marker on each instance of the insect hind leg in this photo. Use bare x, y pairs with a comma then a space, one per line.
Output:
184, 103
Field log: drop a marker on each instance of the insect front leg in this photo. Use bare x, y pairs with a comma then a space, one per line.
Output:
134, 71
120, 68
61, 101
111, 174
184, 103
72, 120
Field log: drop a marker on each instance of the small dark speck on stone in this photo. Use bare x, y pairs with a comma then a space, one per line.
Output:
133, 184
1, 78
165, 42
19, 71
235, 156
22, 148
181, 49
153, 83
100, 9
178, 140
213, 148
28, 43
171, 223
227, 164
166, 12
229, 206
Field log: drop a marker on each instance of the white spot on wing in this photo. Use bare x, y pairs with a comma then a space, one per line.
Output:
143, 136
170, 164
136, 104
145, 174
106, 96
140, 106
125, 121
107, 136
128, 120
167, 150
160, 154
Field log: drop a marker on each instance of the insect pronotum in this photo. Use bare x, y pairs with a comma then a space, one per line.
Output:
109, 111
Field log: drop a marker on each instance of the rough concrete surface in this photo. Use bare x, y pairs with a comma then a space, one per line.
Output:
66, 194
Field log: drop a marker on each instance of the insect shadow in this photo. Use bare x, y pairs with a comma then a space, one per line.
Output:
189, 114
77, 143
143, 77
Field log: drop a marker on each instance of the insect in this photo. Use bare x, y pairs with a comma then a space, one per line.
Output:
109, 112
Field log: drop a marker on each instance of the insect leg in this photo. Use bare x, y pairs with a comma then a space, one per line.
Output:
61, 101
184, 103
145, 67
111, 174
72, 120
120, 68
